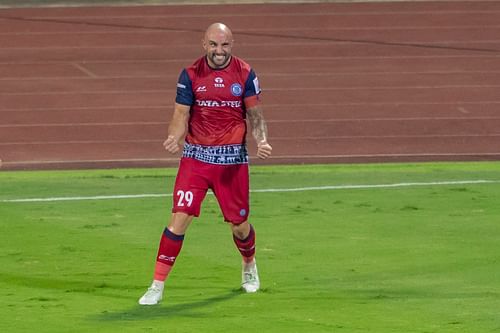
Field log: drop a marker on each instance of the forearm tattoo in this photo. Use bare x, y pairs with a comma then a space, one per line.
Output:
258, 124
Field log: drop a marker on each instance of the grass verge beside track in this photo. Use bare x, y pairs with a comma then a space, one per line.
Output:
409, 259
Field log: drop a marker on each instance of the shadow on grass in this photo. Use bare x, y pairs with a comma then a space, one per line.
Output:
94, 288
102, 289
165, 310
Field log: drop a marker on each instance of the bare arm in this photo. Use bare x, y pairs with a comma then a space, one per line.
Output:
259, 131
177, 129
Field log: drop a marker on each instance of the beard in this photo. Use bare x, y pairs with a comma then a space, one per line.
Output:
220, 60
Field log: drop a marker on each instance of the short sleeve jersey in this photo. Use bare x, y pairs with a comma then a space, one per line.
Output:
218, 99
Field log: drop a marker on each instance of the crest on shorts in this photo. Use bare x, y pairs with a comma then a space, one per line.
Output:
236, 89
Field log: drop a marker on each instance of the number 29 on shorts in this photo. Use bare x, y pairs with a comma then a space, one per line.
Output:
185, 198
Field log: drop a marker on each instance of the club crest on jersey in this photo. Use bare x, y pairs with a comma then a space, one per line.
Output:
219, 82
236, 89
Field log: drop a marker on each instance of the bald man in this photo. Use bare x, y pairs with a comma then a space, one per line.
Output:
214, 98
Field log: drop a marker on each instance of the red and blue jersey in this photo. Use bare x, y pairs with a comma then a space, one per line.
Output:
218, 99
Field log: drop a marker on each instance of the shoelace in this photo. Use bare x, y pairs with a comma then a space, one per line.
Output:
250, 277
152, 290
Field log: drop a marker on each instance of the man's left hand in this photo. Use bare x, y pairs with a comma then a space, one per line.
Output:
264, 150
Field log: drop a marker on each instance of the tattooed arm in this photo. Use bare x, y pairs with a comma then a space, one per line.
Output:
259, 131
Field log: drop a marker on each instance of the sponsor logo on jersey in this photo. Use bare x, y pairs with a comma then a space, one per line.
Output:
236, 89
201, 89
219, 82
214, 104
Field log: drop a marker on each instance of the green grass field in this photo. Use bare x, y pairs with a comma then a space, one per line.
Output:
420, 257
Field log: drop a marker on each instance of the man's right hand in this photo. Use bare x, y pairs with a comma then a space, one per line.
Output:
171, 144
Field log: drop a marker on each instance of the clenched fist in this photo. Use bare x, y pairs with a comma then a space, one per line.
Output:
264, 150
171, 144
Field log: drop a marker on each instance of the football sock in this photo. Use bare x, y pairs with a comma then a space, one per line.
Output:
170, 246
246, 246
161, 271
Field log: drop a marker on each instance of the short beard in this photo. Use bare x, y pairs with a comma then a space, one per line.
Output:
223, 64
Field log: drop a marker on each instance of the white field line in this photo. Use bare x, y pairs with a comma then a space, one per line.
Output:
269, 190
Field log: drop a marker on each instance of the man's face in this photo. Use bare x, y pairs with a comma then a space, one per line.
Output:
218, 45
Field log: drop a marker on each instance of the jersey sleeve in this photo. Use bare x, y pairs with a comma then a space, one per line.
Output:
252, 85
184, 89
252, 90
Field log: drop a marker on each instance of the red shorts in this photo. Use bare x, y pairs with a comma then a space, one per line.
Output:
230, 184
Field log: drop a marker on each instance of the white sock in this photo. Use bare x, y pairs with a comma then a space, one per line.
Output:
158, 284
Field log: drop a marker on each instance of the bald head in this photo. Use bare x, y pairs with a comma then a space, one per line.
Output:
218, 43
219, 29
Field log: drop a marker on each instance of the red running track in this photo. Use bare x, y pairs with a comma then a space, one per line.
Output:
359, 82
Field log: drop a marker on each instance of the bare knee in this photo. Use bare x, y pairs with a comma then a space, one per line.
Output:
179, 223
241, 231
